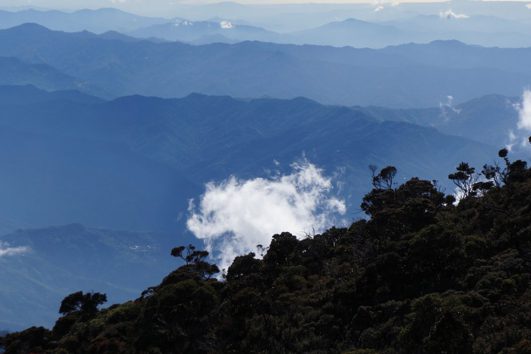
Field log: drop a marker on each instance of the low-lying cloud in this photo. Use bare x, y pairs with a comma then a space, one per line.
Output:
448, 108
524, 112
519, 136
451, 15
6, 251
235, 216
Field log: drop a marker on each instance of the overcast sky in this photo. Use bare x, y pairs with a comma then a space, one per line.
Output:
175, 8
155, 3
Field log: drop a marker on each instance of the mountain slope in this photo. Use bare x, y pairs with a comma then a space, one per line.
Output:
162, 144
50, 177
29, 94
489, 119
59, 260
13, 71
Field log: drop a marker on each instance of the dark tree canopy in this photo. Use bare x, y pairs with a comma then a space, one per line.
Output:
384, 179
464, 178
80, 302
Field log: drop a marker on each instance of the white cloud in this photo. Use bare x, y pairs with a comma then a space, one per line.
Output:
512, 140
448, 107
451, 15
226, 25
235, 216
519, 137
524, 112
184, 23
5, 250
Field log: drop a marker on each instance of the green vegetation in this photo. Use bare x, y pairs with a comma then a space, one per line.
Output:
421, 275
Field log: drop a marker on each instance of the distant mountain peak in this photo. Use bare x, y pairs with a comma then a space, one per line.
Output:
448, 42
29, 28
106, 10
352, 20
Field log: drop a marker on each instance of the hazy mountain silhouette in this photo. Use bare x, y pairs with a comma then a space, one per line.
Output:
487, 119
203, 32
353, 32
100, 20
403, 76
358, 26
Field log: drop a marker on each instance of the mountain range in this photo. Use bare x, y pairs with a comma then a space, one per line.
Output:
488, 119
134, 162
476, 30
407, 76
356, 26
168, 148
204, 32
99, 21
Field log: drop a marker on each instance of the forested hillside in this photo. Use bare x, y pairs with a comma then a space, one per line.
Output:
423, 274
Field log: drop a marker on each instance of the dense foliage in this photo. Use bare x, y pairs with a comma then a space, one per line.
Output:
423, 274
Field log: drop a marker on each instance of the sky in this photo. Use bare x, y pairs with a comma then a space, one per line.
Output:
186, 8
77, 3
138, 4
165, 7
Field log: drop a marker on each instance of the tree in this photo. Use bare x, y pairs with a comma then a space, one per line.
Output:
385, 179
243, 266
464, 179
192, 255
195, 260
80, 302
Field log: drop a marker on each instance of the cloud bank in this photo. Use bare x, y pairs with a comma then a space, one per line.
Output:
235, 216
6, 251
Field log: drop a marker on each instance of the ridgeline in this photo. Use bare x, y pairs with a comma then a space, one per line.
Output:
423, 274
